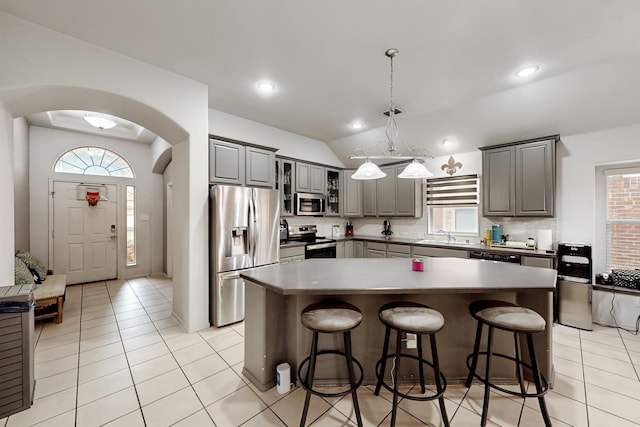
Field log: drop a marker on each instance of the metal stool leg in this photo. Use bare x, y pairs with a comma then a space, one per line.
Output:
419, 343
383, 365
394, 410
436, 372
485, 403
352, 377
538, 381
519, 375
474, 360
309, 377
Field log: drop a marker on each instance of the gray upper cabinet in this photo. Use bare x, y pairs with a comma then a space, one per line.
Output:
259, 165
334, 192
386, 192
395, 196
285, 185
234, 163
535, 178
369, 202
351, 195
226, 162
519, 178
309, 178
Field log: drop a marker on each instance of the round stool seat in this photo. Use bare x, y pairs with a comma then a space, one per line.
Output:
411, 317
331, 317
506, 315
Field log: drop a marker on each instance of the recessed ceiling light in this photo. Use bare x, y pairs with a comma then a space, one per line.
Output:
527, 71
266, 86
356, 125
100, 122
447, 143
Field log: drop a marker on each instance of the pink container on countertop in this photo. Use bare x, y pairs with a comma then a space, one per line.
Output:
417, 264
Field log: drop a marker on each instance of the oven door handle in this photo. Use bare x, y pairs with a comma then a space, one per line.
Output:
321, 246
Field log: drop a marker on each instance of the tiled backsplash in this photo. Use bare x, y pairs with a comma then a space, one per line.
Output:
518, 229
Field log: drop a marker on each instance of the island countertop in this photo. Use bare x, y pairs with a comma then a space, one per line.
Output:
395, 276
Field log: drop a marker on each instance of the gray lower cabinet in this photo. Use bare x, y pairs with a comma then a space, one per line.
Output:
351, 195
425, 251
340, 249
398, 251
293, 254
518, 179
226, 162
349, 250
375, 250
532, 261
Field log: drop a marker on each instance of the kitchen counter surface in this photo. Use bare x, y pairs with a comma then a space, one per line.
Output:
394, 276
444, 244
276, 294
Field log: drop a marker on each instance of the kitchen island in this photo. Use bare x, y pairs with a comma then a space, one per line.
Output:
275, 295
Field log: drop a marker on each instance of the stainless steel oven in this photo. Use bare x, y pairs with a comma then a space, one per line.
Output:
321, 248
309, 204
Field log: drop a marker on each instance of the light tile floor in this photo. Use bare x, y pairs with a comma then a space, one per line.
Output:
121, 359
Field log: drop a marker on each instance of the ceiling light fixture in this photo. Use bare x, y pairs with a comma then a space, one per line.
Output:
99, 121
447, 143
266, 86
369, 170
527, 71
356, 125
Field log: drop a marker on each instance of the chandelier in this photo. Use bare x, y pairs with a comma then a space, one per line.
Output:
369, 170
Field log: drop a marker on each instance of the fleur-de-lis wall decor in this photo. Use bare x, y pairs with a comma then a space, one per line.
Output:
452, 166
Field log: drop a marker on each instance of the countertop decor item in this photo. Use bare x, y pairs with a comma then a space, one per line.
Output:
369, 170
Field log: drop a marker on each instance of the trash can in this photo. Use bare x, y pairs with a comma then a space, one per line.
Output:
16, 349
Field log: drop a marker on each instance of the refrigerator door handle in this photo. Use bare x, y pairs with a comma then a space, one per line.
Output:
252, 228
231, 275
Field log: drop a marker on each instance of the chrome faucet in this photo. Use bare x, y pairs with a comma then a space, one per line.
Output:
447, 234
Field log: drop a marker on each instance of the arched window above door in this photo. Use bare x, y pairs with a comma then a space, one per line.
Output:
93, 161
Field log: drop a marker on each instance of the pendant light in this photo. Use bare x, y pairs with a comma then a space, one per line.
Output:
369, 170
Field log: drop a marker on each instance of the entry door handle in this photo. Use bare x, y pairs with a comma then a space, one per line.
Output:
114, 235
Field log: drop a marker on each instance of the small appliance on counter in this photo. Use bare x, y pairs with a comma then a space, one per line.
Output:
574, 285
386, 229
349, 228
284, 230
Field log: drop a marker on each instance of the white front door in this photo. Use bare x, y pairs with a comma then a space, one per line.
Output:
84, 237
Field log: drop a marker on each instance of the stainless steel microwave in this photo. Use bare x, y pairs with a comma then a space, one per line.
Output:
308, 204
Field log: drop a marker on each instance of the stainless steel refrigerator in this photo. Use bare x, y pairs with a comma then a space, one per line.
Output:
244, 233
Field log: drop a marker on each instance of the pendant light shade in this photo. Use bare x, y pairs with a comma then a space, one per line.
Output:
368, 170
415, 170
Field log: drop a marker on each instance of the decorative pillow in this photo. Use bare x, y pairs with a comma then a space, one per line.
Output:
22, 274
33, 263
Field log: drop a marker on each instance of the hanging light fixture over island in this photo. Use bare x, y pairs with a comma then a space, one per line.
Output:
369, 170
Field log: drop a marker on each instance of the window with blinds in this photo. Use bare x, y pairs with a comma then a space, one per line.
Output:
452, 205
452, 191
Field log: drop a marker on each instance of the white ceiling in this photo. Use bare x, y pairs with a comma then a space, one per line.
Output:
454, 76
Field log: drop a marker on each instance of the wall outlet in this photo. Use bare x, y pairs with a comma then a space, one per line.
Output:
412, 341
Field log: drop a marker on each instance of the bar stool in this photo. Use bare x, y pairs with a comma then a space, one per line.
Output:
518, 320
330, 317
411, 317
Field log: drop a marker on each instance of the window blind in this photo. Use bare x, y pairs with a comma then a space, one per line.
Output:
454, 190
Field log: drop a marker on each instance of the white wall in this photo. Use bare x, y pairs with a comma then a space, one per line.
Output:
7, 277
288, 144
21, 183
576, 159
46, 145
45, 70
